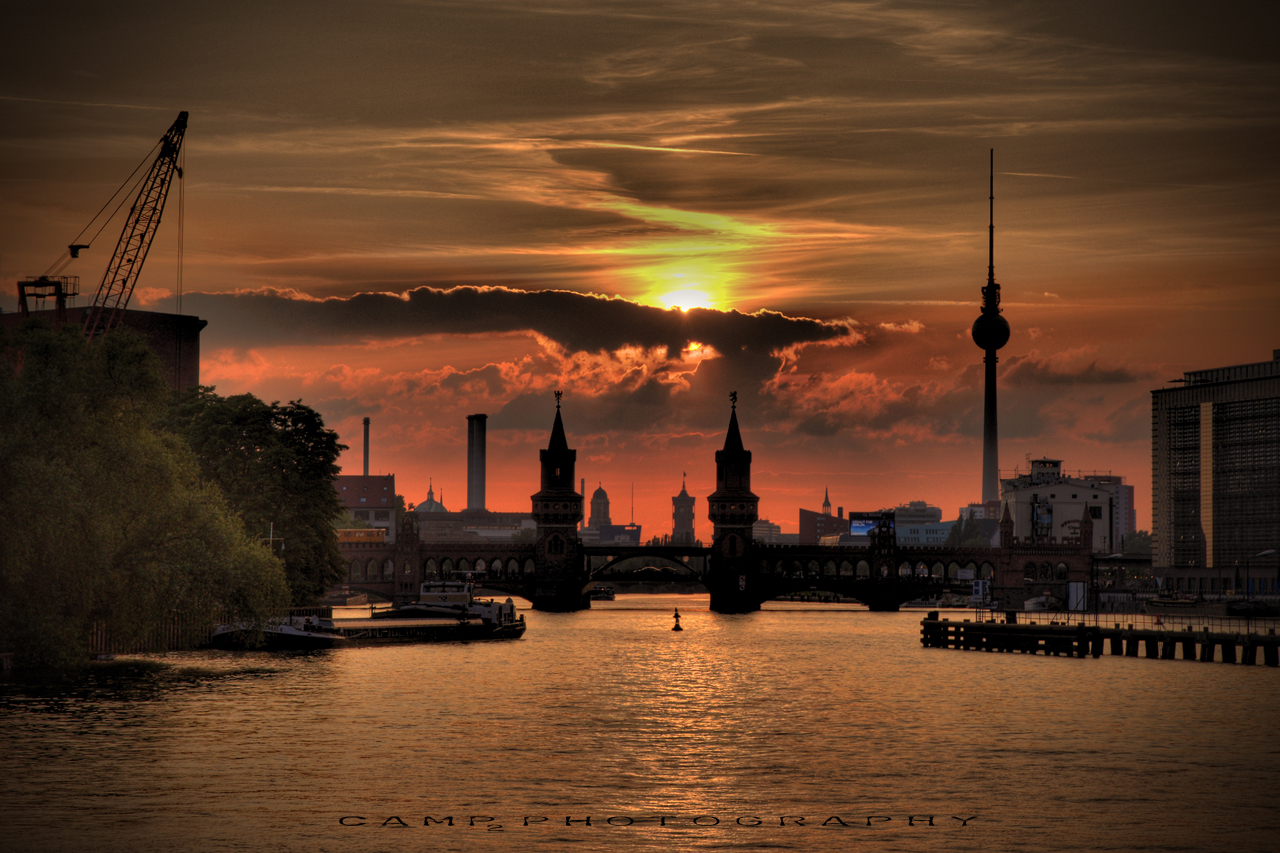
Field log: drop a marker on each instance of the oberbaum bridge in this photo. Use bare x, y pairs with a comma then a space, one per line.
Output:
555, 570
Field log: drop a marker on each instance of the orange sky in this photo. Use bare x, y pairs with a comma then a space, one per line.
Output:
495, 201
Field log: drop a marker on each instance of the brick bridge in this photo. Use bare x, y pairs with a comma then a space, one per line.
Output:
554, 570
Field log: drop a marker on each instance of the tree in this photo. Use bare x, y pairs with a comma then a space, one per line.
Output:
275, 464
966, 533
107, 523
1137, 543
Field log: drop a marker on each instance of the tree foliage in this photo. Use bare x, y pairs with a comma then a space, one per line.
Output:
1138, 543
275, 464
966, 533
107, 521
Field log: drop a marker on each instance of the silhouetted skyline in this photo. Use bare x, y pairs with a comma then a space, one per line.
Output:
497, 202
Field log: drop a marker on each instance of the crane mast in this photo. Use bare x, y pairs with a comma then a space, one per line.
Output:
135, 240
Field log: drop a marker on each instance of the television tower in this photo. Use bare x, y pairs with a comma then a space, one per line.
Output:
990, 333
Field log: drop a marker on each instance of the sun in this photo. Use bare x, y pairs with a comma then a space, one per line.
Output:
686, 299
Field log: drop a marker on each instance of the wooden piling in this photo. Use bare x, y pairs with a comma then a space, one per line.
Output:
1058, 639
1229, 649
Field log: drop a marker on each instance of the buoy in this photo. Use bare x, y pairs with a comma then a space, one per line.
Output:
676, 627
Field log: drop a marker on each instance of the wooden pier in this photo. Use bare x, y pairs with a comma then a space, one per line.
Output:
1089, 637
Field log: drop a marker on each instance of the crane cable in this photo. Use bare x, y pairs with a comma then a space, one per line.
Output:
63, 260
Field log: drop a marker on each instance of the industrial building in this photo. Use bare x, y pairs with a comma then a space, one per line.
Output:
1046, 505
1215, 466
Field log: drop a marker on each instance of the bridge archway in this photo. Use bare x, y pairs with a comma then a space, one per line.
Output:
618, 566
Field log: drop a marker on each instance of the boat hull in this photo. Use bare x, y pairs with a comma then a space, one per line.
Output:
365, 632
230, 638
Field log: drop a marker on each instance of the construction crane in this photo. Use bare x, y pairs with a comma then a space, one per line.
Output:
131, 250
135, 240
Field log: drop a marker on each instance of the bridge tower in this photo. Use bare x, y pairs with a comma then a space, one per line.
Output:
557, 509
732, 509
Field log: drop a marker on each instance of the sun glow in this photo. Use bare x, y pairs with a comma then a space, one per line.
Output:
686, 299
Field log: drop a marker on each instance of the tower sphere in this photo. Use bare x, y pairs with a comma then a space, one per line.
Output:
990, 331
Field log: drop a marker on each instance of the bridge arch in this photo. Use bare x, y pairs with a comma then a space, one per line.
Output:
656, 561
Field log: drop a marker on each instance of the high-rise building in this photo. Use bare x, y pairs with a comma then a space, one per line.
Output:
1215, 467
682, 532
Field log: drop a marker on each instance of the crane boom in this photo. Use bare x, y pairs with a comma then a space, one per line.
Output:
135, 240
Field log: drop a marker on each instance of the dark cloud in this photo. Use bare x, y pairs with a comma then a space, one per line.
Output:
1024, 370
577, 322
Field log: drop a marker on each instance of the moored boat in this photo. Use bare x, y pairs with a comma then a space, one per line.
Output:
298, 633
1042, 602
602, 593
452, 599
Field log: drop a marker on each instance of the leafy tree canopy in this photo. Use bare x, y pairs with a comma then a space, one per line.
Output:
966, 533
107, 521
1138, 542
275, 464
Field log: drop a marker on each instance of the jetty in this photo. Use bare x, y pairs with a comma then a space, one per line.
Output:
1084, 635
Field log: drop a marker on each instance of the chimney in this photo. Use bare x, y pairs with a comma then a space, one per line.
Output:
475, 461
366, 447
840, 512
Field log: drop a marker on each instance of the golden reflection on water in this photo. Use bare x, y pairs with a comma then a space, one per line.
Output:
818, 713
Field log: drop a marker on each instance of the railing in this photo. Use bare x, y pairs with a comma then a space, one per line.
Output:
1141, 621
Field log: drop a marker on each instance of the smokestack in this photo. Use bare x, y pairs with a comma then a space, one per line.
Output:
366, 447
475, 461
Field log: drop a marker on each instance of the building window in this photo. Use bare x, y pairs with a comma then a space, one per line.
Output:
381, 515
362, 500
362, 514
1095, 512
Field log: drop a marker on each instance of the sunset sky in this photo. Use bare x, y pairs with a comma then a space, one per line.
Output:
415, 211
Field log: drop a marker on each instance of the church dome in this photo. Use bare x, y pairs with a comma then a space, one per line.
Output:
431, 504
599, 494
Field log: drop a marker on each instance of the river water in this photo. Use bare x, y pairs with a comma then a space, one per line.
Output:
802, 727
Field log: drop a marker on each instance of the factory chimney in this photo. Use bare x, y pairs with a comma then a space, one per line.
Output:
366, 447
475, 461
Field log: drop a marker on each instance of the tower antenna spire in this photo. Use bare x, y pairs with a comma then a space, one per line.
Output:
991, 226
990, 332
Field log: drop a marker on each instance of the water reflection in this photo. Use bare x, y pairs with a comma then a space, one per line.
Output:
817, 711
